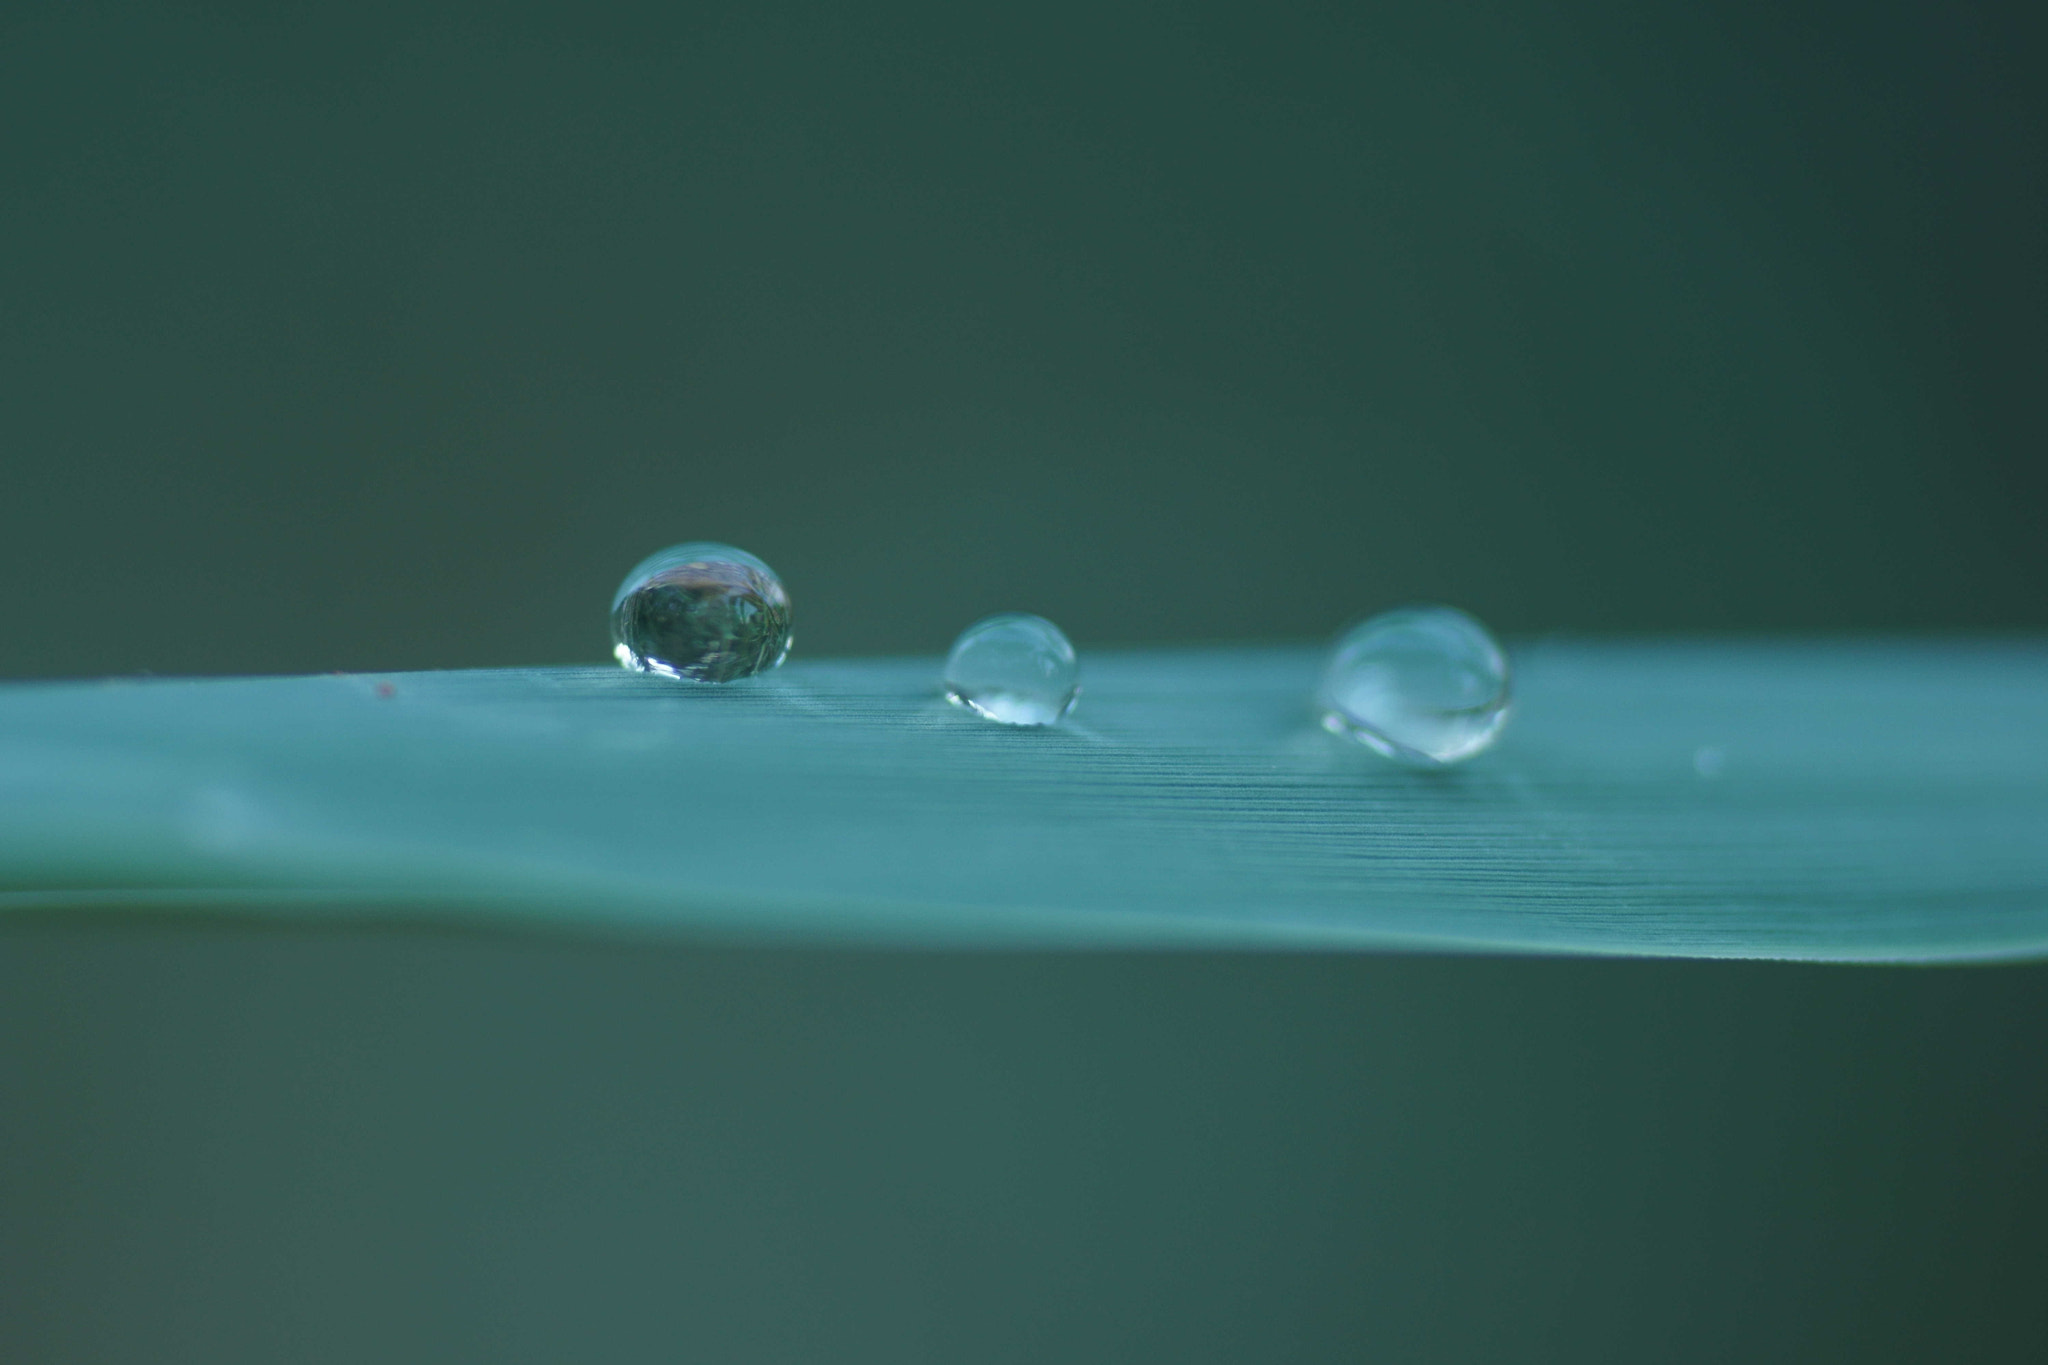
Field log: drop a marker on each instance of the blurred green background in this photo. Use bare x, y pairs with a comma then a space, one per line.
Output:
390, 336
320, 1147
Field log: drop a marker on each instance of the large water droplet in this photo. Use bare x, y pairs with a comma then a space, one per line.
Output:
1424, 685
1014, 668
702, 611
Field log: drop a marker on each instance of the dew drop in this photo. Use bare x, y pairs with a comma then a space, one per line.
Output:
1423, 685
1014, 668
702, 611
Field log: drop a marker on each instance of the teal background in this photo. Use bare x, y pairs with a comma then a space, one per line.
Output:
382, 337
392, 336
256, 1146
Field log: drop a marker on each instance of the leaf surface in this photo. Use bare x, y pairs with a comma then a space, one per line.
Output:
1844, 801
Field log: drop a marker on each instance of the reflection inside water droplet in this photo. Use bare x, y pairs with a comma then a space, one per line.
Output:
1014, 668
701, 611
1423, 685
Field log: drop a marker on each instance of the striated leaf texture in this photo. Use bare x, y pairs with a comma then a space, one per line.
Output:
1870, 801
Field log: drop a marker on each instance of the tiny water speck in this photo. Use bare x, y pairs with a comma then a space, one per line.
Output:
1014, 668
703, 612
1709, 761
1427, 686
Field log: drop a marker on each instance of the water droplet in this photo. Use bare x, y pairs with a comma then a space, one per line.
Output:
701, 611
1014, 668
1424, 685
1709, 760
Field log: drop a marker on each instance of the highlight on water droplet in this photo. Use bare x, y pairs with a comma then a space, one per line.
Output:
1425, 685
703, 612
1014, 668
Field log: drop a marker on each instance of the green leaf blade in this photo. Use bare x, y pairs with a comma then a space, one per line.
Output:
1878, 801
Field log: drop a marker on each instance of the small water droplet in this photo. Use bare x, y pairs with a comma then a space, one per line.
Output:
1424, 685
1014, 668
702, 611
1709, 761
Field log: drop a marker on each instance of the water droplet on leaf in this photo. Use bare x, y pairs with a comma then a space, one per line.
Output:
1014, 668
1424, 685
701, 611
